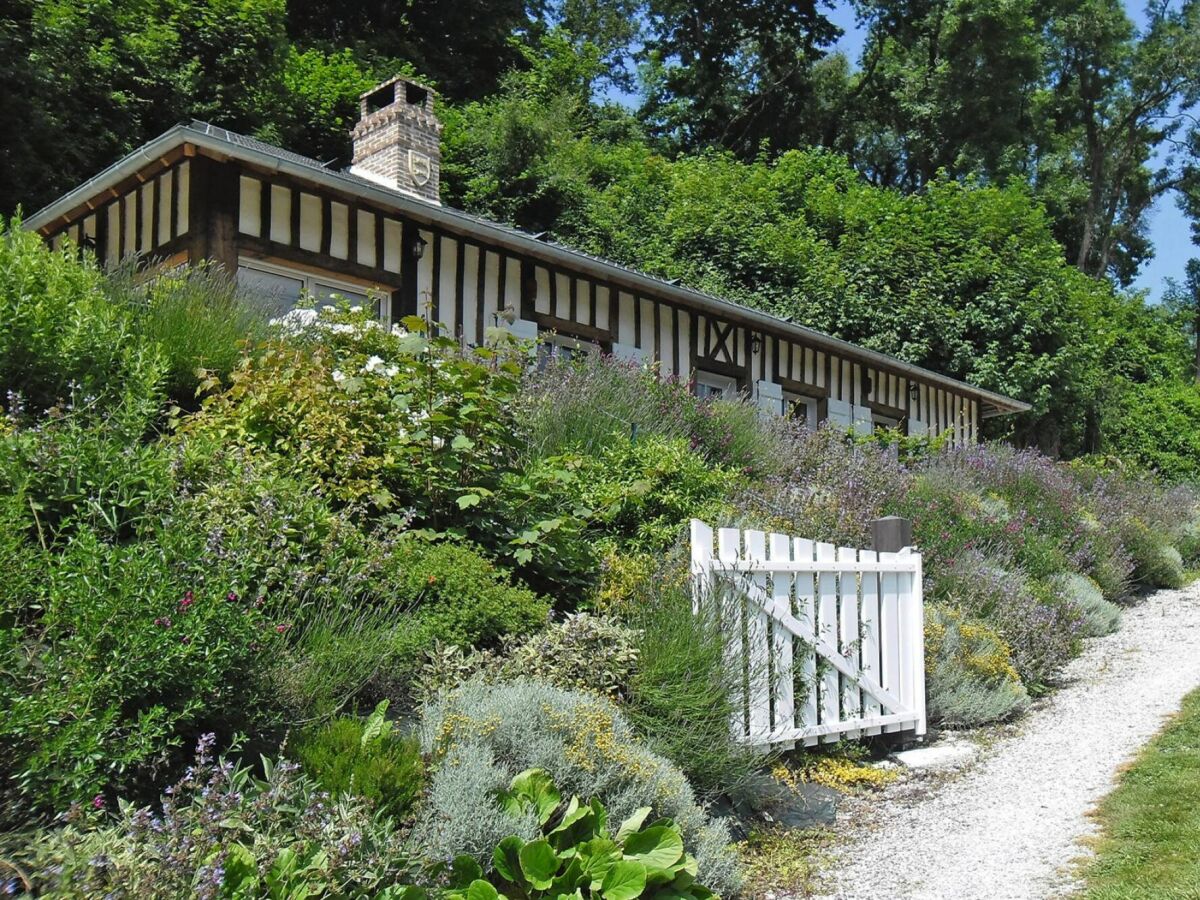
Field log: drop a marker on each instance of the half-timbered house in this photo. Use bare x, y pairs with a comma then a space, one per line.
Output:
289, 226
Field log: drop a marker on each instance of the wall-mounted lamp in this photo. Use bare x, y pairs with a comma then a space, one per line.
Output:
756, 343
913, 390
418, 246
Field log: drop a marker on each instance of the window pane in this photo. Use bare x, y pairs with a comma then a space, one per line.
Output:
324, 294
278, 291
712, 386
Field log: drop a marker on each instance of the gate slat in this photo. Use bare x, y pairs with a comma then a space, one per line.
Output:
806, 612
827, 628
848, 620
890, 635
702, 552
732, 613
913, 614
870, 636
758, 648
781, 640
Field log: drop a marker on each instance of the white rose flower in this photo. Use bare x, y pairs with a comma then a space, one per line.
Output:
295, 320
374, 365
338, 376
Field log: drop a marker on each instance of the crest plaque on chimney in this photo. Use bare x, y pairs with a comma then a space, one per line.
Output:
397, 141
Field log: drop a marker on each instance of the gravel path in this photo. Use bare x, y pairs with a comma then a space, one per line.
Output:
1008, 827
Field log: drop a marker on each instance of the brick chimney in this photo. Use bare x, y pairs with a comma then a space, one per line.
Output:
397, 141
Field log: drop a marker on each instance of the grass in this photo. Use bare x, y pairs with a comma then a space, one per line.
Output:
1150, 846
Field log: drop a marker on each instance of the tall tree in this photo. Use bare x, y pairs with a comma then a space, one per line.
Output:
1183, 299
97, 79
1113, 98
463, 47
733, 73
945, 85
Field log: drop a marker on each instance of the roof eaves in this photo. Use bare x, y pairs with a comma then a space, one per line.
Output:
220, 140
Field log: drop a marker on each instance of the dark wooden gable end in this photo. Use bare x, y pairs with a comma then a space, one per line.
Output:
194, 205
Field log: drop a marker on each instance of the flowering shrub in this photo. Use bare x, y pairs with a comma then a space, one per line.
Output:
970, 678
222, 832
832, 489
481, 736
594, 403
122, 665
1042, 630
386, 421
583, 652
643, 493
381, 418
1100, 617
451, 593
86, 463
1049, 519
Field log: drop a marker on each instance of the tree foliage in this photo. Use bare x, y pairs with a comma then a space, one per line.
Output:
970, 194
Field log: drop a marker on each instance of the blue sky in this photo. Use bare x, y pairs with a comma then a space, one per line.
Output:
1168, 227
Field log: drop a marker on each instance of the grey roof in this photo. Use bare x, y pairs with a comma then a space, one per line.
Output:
250, 149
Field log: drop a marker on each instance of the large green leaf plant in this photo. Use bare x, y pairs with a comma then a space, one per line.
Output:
577, 856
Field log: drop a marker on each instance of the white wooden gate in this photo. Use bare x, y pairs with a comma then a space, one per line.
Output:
830, 640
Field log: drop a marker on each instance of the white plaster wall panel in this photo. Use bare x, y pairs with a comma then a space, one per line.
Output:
310, 222
625, 332
366, 238
393, 239
562, 296
129, 211
425, 299
339, 230
166, 182
281, 214
541, 301
446, 283
113, 241
183, 197
603, 298
666, 324
250, 206
471, 299
646, 334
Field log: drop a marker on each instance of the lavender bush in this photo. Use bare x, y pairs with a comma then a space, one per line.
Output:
594, 403
1006, 533
830, 490
217, 828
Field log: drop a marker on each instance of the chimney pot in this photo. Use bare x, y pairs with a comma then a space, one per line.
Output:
397, 141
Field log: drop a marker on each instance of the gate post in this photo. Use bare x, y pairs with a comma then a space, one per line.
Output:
891, 534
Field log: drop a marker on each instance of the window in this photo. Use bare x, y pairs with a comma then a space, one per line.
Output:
802, 408
710, 386
282, 287
882, 421
562, 346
